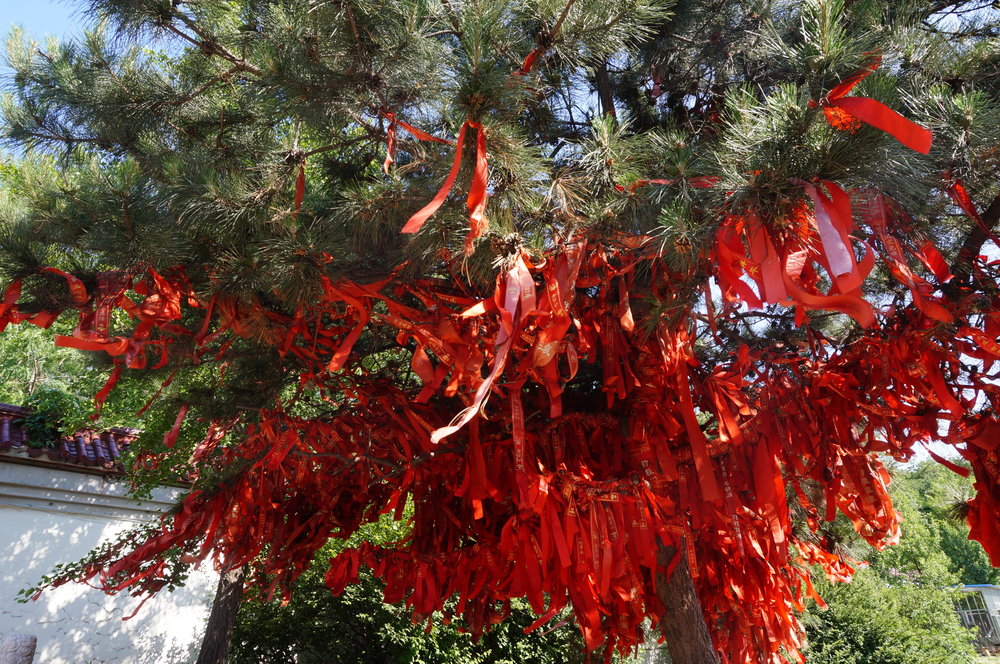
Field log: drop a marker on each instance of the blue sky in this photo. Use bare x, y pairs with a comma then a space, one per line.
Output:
41, 18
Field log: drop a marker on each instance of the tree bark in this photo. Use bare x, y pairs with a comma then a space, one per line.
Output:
683, 623
602, 81
219, 631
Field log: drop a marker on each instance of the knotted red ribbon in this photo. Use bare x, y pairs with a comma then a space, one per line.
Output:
300, 187
782, 265
76, 288
529, 62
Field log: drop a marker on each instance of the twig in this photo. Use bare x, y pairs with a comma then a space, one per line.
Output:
334, 146
613, 22
218, 79
209, 44
453, 17
679, 38
562, 17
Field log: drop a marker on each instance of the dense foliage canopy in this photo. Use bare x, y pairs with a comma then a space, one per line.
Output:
691, 267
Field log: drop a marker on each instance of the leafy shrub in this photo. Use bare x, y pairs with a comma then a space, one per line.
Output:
358, 628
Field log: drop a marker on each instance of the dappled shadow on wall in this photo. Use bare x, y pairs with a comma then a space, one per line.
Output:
77, 624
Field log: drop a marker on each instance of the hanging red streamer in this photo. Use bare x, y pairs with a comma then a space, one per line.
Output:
394, 122
476, 200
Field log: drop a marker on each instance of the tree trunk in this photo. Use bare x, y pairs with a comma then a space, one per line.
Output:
973, 244
602, 81
218, 632
683, 623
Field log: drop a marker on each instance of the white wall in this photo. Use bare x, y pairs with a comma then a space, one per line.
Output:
52, 514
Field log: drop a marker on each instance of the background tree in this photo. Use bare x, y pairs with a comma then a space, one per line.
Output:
870, 621
901, 607
934, 549
29, 360
631, 327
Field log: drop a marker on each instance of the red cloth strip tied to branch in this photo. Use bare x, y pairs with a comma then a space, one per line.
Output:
514, 299
476, 200
879, 214
843, 112
394, 122
781, 261
529, 61
960, 195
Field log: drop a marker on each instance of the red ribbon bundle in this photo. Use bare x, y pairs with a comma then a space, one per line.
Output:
550, 494
781, 263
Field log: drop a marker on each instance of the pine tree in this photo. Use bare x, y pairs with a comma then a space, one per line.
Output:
603, 289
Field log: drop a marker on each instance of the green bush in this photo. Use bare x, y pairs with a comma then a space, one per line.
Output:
900, 608
872, 622
358, 628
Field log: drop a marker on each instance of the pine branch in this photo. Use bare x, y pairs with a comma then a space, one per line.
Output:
602, 81
337, 146
453, 18
204, 88
989, 31
209, 44
554, 33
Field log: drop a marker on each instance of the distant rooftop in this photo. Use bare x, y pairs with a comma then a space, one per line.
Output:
96, 451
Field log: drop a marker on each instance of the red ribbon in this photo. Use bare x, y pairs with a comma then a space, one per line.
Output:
529, 61
920, 289
8, 308
476, 201
76, 288
834, 223
417, 220
872, 112
390, 154
170, 438
102, 395
960, 195
852, 305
